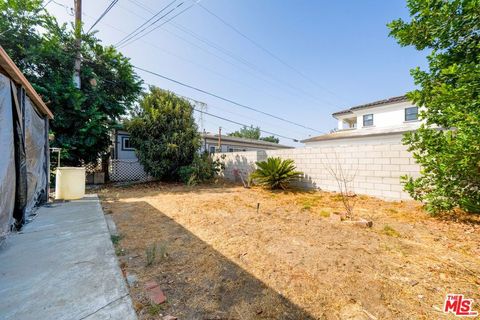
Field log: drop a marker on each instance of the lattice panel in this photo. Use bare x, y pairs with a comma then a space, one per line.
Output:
93, 167
127, 170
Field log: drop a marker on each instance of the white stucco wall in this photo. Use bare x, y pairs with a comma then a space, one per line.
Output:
377, 168
391, 115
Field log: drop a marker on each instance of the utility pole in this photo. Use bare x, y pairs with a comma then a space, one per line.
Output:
205, 141
219, 139
78, 36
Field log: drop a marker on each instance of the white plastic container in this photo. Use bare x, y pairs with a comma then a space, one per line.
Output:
70, 183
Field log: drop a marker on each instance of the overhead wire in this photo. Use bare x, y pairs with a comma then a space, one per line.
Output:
230, 120
270, 53
136, 32
273, 80
253, 66
244, 125
104, 13
158, 26
226, 99
215, 95
244, 116
233, 113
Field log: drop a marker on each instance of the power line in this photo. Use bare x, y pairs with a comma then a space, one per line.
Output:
110, 6
141, 5
225, 99
195, 101
253, 66
46, 4
67, 8
270, 53
194, 63
266, 76
244, 125
229, 120
134, 32
151, 30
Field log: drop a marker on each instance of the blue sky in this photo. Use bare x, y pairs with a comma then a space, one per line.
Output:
338, 55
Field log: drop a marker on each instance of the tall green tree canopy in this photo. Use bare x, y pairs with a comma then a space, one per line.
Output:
45, 52
253, 133
447, 146
164, 133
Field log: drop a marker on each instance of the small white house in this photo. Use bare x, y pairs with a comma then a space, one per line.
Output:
372, 123
212, 143
124, 164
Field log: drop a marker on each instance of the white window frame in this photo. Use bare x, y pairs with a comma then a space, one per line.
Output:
124, 139
364, 118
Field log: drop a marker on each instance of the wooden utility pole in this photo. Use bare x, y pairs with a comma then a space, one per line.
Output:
219, 139
78, 36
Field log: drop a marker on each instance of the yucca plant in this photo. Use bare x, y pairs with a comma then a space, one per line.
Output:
275, 173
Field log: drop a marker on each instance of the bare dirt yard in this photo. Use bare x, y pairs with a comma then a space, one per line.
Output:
218, 257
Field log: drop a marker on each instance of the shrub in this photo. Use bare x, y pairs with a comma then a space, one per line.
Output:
275, 173
164, 133
448, 92
202, 169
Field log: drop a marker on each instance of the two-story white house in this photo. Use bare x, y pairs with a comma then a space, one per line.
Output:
372, 123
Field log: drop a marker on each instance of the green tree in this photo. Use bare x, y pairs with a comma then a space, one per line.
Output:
272, 139
447, 146
164, 133
253, 133
247, 132
45, 53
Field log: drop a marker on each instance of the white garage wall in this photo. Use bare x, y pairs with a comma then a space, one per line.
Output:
377, 168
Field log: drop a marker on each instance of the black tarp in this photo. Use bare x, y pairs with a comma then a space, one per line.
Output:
23, 157
35, 142
7, 158
20, 156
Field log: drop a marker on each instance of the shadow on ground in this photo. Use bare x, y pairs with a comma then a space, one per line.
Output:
199, 282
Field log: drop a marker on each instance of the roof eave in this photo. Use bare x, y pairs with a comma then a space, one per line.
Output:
315, 139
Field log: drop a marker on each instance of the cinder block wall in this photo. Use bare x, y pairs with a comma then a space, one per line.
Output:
374, 169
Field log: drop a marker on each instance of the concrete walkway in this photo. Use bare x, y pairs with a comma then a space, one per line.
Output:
63, 266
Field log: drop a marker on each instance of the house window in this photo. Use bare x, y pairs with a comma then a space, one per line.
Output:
126, 144
212, 149
368, 120
411, 114
230, 149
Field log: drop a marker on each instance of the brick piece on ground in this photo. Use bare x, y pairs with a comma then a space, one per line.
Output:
169, 317
155, 294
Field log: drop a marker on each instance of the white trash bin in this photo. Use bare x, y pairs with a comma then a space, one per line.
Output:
70, 183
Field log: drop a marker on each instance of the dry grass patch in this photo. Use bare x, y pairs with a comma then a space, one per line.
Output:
293, 258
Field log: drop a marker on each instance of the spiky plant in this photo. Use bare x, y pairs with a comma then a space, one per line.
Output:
275, 173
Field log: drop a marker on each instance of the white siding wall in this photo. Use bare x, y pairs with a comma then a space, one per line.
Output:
122, 153
378, 167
